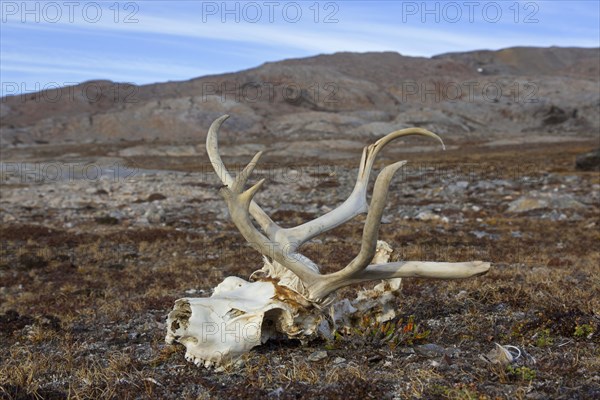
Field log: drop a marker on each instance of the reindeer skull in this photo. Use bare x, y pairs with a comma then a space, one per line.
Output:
224, 326
240, 315
291, 297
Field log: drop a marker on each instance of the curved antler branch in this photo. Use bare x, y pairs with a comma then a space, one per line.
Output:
281, 244
239, 203
356, 203
331, 282
212, 148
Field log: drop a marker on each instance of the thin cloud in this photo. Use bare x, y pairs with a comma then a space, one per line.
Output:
175, 44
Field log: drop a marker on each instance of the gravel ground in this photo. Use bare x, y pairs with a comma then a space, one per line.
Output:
92, 263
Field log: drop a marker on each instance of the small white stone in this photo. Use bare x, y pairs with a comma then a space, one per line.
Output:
317, 356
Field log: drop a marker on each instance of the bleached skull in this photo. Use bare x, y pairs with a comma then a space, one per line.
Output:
291, 297
237, 317
240, 315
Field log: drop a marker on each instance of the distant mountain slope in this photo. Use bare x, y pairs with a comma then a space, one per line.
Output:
530, 60
495, 93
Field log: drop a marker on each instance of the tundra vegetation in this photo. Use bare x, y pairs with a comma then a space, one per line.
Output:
90, 268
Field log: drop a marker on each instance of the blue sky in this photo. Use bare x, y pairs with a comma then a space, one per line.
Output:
53, 43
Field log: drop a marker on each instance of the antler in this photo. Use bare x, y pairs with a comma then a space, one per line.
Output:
281, 244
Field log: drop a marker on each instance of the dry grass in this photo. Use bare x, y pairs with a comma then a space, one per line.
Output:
82, 313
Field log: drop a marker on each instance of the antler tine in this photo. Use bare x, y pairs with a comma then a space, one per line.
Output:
356, 203
334, 281
239, 202
241, 179
422, 269
237, 186
373, 220
212, 148
414, 269
375, 148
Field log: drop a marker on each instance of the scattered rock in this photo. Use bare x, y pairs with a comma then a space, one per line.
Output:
427, 215
158, 150
555, 115
483, 234
339, 360
588, 161
430, 350
156, 196
537, 201
554, 216
501, 307
457, 187
406, 351
317, 356
151, 198
116, 214
565, 202
483, 186
277, 392
155, 215
524, 204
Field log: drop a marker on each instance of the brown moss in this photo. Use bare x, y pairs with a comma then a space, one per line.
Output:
82, 311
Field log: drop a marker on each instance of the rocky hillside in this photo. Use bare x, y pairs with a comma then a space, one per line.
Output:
475, 95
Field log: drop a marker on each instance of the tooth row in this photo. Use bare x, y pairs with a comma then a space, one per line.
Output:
199, 361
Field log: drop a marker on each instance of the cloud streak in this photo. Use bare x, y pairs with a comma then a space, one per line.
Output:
175, 43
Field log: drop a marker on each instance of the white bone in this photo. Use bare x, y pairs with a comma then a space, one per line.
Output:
290, 296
